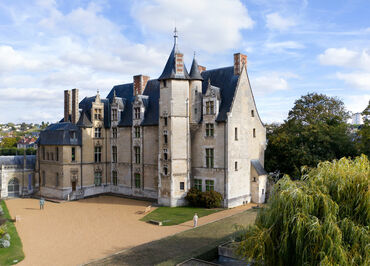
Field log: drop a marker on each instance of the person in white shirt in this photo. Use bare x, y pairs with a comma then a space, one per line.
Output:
195, 220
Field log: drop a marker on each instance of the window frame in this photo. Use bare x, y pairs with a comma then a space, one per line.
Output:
137, 180
98, 178
137, 132
137, 112
73, 154
97, 154
114, 178
210, 157
114, 132
137, 151
97, 132
210, 129
198, 184
210, 185
114, 154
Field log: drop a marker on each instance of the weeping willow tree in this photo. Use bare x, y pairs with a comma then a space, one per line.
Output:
321, 219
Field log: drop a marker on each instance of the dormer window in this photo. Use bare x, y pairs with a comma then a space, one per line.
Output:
114, 115
210, 108
137, 112
98, 114
72, 134
98, 132
164, 83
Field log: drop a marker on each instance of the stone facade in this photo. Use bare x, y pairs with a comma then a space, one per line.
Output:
158, 138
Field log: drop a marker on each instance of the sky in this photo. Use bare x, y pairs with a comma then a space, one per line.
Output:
294, 47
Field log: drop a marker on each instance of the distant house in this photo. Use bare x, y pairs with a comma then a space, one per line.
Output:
357, 119
26, 143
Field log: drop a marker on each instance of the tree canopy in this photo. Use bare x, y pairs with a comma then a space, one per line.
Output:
321, 219
363, 142
315, 130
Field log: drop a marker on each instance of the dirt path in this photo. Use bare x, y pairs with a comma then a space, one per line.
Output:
77, 232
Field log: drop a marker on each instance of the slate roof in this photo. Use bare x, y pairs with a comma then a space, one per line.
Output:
86, 105
84, 120
169, 71
225, 79
18, 160
60, 134
259, 168
194, 71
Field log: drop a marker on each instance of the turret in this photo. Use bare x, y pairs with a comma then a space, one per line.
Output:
195, 95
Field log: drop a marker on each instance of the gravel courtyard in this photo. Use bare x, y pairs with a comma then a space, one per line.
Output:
77, 232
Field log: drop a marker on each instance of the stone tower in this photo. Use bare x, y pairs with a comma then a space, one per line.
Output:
174, 131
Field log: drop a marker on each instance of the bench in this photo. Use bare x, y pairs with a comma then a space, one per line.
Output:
155, 222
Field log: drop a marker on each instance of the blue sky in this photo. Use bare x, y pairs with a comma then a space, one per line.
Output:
293, 47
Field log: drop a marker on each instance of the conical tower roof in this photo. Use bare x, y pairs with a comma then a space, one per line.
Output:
169, 71
194, 71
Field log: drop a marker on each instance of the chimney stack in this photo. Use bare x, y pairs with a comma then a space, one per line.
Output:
239, 61
201, 68
140, 82
179, 62
67, 105
75, 113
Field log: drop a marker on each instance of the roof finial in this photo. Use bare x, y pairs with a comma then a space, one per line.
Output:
175, 36
97, 91
194, 54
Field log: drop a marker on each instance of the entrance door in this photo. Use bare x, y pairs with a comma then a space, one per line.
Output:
73, 185
13, 188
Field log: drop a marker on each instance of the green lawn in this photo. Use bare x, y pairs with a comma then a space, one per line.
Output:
15, 251
176, 215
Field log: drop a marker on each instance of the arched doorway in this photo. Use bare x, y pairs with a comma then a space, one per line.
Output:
13, 188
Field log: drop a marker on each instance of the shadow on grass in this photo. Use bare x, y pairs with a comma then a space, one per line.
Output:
179, 247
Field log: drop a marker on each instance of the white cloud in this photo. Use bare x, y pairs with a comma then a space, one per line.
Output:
274, 21
13, 60
271, 82
359, 80
211, 25
356, 103
343, 57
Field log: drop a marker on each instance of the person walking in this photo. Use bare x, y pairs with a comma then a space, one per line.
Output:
195, 220
42, 202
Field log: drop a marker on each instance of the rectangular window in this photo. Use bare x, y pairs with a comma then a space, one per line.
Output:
254, 132
43, 181
114, 132
236, 133
73, 155
165, 154
47, 156
114, 154
210, 108
52, 156
114, 115
210, 130
97, 154
98, 132
210, 185
165, 121
165, 170
114, 178
97, 179
198, 184
252, 113
137, 154
137, 132
165, 136
236, 166
57, 154
57, 179
182, 185
137, 112
209, 158
98, 114
137, 180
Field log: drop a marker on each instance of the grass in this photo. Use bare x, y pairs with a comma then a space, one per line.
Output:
200, 242
176, 215
15, 251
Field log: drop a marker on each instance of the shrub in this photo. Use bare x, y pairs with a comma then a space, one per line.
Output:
211, 199
193, 197
207, 199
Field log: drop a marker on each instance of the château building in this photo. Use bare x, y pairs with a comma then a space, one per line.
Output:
157, 138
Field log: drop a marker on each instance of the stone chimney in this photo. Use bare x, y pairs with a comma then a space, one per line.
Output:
179, 61
75, 113
140, 82
67, 105
201, 68
239, 61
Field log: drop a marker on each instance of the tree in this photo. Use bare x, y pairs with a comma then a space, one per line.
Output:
9, 142
364, 133
322, 219
315, 130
